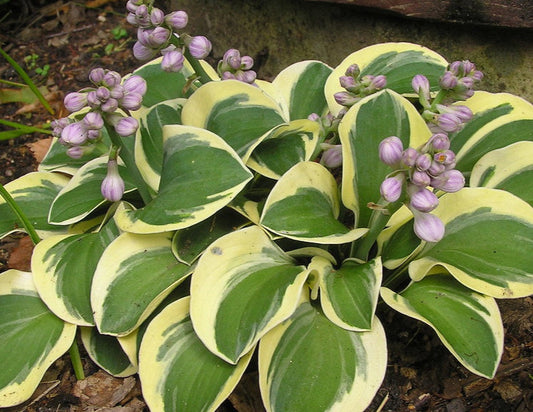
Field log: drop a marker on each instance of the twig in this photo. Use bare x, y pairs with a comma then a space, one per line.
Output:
89, 26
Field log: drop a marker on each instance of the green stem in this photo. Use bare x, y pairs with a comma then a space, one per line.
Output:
127, 156
28, 129
74, 352
20, 215
378, 220
75, 359
27, 80
197, 67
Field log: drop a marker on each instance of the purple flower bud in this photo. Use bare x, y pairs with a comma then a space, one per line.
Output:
246, 63
248, 76
390, 150
75, 152
135, 84
313, 117
157, 16
141, 52
455, 67
131, 18
439, 141
436, 169
378, 82
427, 227
97, 75
75, 101
468, 67
449, 181
74, 134
59, 124
131, 6
446, 157
93, 134
348, 83
112, 186
409, 157
126, 126
448, 81
131, 101
141, 11
117, 92
199, 47
420, 178
424, 200
153, 38
346, 98
332, 156
391, 187
92, 100
420, 84
177, 20
112, 79
423, 162
103, 93
477, 75
462, 112
172, 61
110, 105
232, 58
93, 121
449, 122
228, 76
353, 71
467, 82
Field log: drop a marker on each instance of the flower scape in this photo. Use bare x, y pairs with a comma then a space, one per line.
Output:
193, 222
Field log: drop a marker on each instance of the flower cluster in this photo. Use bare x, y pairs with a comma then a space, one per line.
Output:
457, 83
235, 66
157, 32
416, 171
357, 86
109, 95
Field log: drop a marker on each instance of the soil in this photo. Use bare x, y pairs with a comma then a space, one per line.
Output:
421, 376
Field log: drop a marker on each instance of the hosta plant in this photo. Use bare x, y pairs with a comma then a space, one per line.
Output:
196, 222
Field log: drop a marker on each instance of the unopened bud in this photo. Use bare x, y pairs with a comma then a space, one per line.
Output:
112, 187
126, 126
390, 150
199, 47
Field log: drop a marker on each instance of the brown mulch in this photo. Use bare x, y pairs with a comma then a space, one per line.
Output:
421, 376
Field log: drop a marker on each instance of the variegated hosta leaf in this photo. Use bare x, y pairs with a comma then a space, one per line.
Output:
31, 337
499, 120
34, 193
107, 353
188, 244
201, 174
236, 111
149, 137
134, 274
285, 146
399, 62
243, 286
398, 241
304, 205
82, 194
177, 372
301, 86
309, 364
57, 160
509, 168
63, 269
349, 295
360, 134
468, 323
162, 85
487, 243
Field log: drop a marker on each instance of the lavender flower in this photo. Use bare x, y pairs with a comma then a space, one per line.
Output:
390, 150
74, 134
199, 47
75, 101
391, 188
126, 126
427, 227
332, 155
177, 20
172, 61
423, 199
112, 187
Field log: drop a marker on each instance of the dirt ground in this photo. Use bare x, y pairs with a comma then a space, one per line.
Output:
73, 38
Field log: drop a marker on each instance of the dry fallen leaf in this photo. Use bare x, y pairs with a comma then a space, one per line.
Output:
40, 148
20, 257
102, 390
